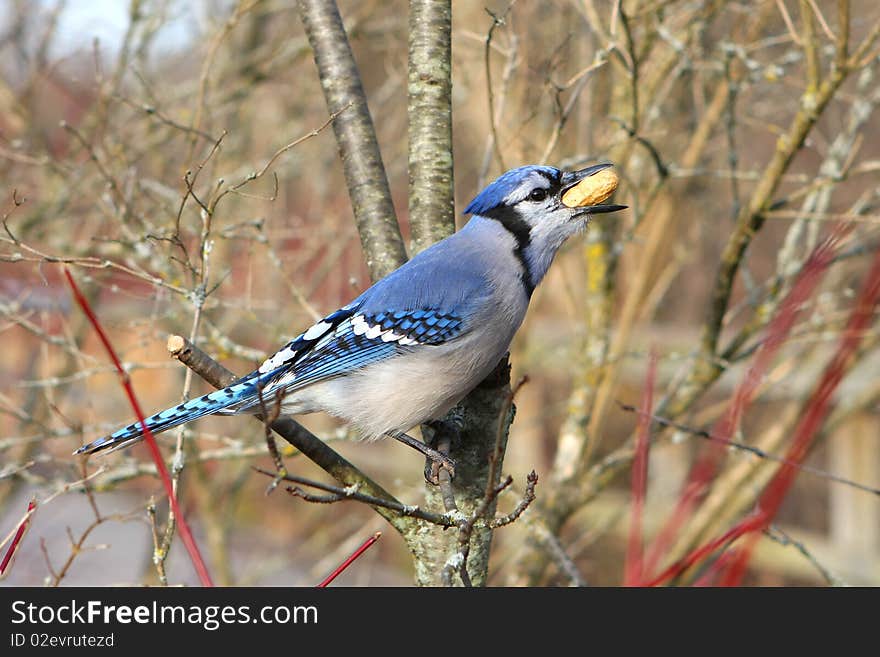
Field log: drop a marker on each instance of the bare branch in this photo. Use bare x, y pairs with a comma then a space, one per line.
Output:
294, 433
361, 161
431, 199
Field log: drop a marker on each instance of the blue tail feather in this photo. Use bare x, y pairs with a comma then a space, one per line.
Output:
218, 401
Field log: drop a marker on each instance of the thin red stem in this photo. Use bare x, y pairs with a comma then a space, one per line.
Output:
817, 410
676, 569
717, 569
345, 564
185, 533
16, 540
778, 329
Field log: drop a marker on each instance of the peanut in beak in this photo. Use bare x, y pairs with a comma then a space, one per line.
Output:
593, 190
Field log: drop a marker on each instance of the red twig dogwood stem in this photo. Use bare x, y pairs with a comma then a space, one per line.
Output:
6, 563
185, 533
366, 545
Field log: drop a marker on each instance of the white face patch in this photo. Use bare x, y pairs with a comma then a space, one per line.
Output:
534, 181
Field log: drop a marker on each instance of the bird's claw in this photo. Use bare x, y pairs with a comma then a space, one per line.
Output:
433, 466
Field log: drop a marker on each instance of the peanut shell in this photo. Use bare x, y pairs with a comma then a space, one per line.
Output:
593, 190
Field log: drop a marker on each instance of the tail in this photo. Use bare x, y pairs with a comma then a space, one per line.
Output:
240, 394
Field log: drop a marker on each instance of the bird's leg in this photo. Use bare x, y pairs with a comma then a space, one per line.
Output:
432, 455
269, 416
280, 468
444, 434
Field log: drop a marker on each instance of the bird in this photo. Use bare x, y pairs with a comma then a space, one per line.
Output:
412, 345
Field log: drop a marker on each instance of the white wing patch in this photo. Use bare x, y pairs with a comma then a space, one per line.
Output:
359, 325
290, 350
316, 331
277, 359
374, 332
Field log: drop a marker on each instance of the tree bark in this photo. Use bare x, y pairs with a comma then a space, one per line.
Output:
431, 197
432, 546
355, 136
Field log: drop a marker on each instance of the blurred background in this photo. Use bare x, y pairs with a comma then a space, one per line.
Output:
134, 143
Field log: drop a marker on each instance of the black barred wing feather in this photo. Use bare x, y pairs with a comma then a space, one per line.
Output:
425, 326
355, 342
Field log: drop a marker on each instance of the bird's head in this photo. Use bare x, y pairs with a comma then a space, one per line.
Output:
528, 202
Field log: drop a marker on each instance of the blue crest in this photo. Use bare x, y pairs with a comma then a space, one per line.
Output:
500, 188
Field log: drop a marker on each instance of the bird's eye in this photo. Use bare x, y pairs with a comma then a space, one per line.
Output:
538, 194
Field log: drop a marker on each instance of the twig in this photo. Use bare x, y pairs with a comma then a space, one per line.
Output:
777, 534
366, 545
353, 493
527, 498
634, 562
185, 532
560, 557
497, 21
281, 151
152, 110
752, 215
269, 416
815, 413
751, 449
242, 7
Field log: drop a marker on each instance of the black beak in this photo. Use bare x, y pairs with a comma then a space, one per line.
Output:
572, 178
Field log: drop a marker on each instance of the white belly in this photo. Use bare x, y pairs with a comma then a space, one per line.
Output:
403, 391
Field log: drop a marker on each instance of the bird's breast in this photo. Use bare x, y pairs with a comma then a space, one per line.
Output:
401, 392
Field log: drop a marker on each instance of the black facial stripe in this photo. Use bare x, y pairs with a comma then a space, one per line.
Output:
519, 228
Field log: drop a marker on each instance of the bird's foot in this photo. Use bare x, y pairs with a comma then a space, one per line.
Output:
435, 459
444, 433
434, 467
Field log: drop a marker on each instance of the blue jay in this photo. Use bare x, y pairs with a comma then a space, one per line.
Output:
415, 343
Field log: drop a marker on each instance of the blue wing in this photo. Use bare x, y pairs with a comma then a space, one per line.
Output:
356, 342
424, 303
341, 343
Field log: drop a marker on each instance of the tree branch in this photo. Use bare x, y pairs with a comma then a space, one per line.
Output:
297, 435
431, 199
361, 160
